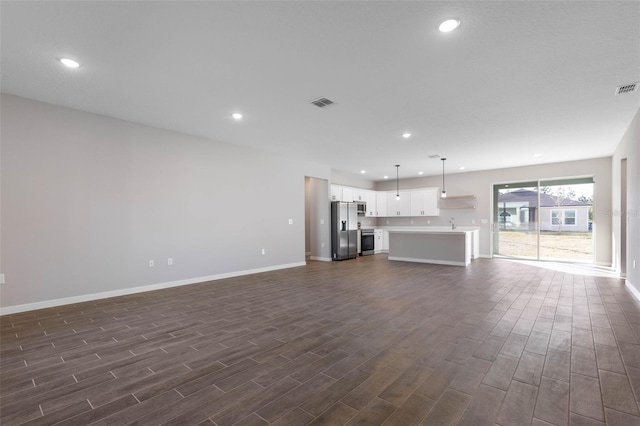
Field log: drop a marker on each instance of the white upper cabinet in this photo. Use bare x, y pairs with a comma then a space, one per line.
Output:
371, 200
416, 202
401, 207
336, 193
381, 204
347, 194
359, 194
424, 202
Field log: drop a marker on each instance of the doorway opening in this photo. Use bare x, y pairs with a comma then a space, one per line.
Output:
545, 220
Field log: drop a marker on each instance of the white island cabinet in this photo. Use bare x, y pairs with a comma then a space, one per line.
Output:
440, 246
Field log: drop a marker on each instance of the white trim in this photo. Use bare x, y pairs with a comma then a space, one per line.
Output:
485, 256
632, 289
141, 289
435, 261
322, 259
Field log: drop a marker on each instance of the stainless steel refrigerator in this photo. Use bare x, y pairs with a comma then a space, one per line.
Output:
344, 230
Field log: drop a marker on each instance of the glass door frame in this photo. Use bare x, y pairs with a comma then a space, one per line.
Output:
538, 184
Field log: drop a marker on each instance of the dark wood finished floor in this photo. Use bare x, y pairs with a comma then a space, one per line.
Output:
365, 342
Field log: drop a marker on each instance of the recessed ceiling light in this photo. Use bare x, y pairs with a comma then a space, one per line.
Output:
406, 135
236, 116
386, 177
419, 173
69, 63
363, 171
537, 155
461, 167
449, 25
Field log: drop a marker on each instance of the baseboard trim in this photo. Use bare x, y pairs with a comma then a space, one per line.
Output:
133, 290
321, 259
633, 290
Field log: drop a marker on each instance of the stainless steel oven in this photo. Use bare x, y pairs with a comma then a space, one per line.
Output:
367, 240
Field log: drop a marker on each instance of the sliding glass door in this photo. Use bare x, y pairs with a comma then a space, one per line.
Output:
516, 219
545, 219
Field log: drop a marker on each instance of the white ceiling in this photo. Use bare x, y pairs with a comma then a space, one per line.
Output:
516, 79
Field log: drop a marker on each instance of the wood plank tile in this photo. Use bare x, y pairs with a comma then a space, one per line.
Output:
337, 414
411, 412
448, 409
617, 393
484, 407
375, 413
552, 404
501, 372
519, 403
585, 397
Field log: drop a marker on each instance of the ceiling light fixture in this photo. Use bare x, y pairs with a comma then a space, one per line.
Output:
461, 167
236, 116
537, 155
449, 25
397, 181
385, 177
419, 173
444, 193
69, 63
406, 135
363, 171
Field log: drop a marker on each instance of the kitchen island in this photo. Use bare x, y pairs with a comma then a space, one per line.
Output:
443, 246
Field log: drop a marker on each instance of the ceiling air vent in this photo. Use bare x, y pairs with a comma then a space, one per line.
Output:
321, 102
434, 156
627, 88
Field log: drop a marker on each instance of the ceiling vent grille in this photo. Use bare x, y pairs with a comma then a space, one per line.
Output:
627, 88
434, 156
321, 102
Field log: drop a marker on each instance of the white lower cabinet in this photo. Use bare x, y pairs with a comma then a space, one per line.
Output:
378, 243
385, 241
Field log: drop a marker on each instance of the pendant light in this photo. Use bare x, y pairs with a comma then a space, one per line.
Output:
444, 193
397, 183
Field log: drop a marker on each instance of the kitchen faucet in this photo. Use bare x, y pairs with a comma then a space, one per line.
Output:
452, 221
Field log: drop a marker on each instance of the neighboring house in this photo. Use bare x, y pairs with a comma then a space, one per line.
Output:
519, 210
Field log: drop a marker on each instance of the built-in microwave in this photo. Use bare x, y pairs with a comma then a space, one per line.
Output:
362, 208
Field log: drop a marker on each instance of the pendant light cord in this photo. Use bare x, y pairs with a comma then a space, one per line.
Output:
443, 190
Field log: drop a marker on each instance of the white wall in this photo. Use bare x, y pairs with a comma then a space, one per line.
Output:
628, 148
347, 179
480, 185
88, 200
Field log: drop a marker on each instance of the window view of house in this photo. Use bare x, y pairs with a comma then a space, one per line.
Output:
546, 222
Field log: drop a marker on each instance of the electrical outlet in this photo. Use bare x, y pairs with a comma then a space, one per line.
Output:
170, 261
263, 251
151, 264
428, 222
290, 221
412, 221
387, 222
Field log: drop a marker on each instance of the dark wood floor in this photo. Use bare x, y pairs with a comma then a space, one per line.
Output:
366, 341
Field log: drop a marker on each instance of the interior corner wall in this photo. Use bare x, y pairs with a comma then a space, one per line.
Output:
480, 184
88, 200
319, 219
629, 148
